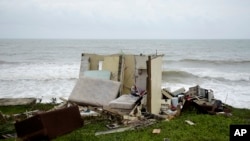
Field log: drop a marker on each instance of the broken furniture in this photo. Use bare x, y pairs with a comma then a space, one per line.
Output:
49, 125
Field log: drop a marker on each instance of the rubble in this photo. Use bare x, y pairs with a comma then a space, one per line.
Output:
124, 87
124, 120
201, 99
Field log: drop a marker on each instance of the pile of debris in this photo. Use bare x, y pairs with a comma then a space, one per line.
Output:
200, 99
127, 88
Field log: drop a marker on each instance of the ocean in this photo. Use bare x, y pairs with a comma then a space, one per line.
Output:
48, 68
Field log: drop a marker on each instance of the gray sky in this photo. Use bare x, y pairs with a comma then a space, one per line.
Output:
125, 19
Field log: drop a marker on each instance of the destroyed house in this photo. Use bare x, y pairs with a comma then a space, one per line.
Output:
119, 85
104, 78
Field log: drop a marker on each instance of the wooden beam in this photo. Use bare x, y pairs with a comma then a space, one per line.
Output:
165, 93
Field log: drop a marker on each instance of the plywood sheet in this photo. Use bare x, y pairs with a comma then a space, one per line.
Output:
155, 78
129, 73
94, 60
111, 63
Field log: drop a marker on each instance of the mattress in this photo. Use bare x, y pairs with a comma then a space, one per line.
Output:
94, 92
126, 101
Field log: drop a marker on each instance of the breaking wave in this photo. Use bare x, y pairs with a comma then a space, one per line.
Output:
179, 74
39, 71
220, 76
216, 62
6, 62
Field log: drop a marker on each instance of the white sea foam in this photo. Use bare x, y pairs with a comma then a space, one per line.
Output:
50, 68
38, 80
38, 71
37, 88
217, 74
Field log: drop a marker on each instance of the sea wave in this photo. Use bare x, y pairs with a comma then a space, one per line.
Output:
207, 75
39, 71
38, 80
207, 61
36, 88
7, 62
177, 73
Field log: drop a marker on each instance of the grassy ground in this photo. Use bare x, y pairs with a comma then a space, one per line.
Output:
206, 128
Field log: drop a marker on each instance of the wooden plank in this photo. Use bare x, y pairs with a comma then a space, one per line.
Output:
121, 72
149, 86
113, 131
165, 93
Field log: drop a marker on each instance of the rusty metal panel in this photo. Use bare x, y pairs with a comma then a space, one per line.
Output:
50, 124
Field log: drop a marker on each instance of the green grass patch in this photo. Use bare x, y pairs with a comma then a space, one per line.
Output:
23, 108
206, 128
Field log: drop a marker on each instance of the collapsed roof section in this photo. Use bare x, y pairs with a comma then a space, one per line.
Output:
114, 75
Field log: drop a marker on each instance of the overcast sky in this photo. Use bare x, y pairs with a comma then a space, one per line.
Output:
125, 19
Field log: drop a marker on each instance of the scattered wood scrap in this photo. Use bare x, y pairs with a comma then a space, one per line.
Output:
17, 101
166, 93
189, 122
114, 131
137, 124
156, 131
